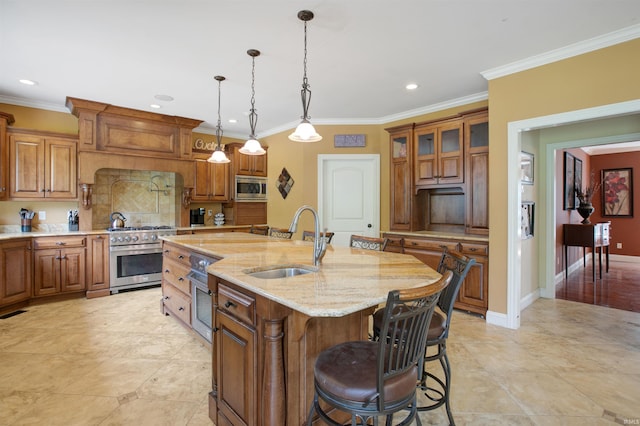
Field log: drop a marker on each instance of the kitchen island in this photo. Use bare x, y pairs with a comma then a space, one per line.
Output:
268, 332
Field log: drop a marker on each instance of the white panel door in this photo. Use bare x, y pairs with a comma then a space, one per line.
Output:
349, 195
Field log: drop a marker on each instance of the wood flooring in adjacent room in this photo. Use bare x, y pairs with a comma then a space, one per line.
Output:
619, 288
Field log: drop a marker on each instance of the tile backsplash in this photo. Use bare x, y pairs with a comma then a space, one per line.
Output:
145, 198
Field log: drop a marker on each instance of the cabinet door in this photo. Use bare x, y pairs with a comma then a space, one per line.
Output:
26, 166
450, 149
98, 262
202, 177
46, 280
72, 269
220, 182
15, 271
237, 370
252, 165
401, 180
439, 154
474, 292
61, 169
477, 170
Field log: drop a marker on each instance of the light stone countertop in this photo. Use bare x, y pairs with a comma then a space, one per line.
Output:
348, 280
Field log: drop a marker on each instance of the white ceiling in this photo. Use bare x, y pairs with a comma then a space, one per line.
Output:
361, 53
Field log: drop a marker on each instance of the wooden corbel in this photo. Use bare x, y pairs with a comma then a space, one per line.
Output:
186, 197
86, 189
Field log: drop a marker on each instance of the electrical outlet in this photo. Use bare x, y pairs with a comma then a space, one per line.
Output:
618, 245
42, 215
210, 212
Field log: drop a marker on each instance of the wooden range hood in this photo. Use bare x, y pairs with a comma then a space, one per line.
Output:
121, 138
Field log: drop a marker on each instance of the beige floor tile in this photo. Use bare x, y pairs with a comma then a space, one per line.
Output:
147, 412
179, 381
66, 410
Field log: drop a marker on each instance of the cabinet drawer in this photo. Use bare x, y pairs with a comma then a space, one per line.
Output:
176, 253
177, 274
237, 304
177, 303
474, 249
58, 242
433, 245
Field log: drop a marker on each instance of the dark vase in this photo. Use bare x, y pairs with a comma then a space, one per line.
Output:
585, 210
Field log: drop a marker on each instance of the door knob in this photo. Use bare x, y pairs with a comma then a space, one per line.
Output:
368, 225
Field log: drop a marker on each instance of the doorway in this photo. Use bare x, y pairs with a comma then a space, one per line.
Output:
349, 195
546, 243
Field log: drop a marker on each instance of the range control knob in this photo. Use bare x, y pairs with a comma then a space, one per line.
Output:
134, 238
154, 237
113, 239
120, 239
127, 238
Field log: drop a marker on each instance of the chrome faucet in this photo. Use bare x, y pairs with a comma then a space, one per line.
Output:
319, 241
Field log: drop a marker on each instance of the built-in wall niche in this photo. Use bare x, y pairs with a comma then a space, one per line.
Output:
144, 197
443, 209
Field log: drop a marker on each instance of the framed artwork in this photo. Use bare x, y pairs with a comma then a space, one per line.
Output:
285, 182
527, 219
577, 181
526, 168
569, 197
346, 141
617, 192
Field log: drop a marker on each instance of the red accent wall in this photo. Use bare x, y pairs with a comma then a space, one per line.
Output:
625, 230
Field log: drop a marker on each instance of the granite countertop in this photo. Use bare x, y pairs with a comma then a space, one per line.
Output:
348, 280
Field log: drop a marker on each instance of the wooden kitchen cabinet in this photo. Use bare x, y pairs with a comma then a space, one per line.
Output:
5, 121
59, 265
439, 153
249, 165
235, 347
400, 139
212, 181
15, 271
476, 137
176, 286
98, 273
42, 165
474, 292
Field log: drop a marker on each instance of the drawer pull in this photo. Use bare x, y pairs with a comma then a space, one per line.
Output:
166, 271
181, 308
181, 279
472, 249
167, 251
181, 257
229, 304
60, 243
413, 243
166, 298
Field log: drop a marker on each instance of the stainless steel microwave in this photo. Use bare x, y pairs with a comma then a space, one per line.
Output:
251, 188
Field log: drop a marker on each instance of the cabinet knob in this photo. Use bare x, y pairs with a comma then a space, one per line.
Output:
229, 304
180, 279
181, 308
166, 271
166, 298
214, 329
181, 257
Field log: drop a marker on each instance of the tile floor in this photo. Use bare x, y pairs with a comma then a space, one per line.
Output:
118, 361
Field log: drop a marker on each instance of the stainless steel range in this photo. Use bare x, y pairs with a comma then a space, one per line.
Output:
135, 256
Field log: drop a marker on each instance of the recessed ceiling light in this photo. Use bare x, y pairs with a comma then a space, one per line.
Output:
156, 106
165, 98
28, 82
411, 86
233, 120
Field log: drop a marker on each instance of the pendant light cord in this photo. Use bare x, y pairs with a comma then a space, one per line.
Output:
253, 116
305, 93
219, 125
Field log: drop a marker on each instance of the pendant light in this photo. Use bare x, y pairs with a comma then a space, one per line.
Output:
218, 155
252, 146
305, 131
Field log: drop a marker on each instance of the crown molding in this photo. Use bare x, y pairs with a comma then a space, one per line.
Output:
582, 47
50, 106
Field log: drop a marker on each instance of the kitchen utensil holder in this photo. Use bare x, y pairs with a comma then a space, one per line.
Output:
73, 226
25, 225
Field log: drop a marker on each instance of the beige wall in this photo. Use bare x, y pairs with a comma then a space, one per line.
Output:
597, 78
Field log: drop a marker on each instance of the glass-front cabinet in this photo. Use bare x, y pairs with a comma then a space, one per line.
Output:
439, 154
400, 188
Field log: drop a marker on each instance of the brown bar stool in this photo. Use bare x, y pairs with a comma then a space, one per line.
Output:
369, 379
459, 265
280, 233
310, 235
368, 243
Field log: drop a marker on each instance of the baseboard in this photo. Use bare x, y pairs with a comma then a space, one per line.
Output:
497, 318
624, 258
529, 299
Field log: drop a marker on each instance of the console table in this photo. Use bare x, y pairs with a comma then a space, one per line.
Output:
594, 235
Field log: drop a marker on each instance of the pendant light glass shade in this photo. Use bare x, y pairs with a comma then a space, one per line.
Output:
305, 132
218, 155
252, 146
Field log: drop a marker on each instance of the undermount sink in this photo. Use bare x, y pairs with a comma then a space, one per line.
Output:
281, 272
